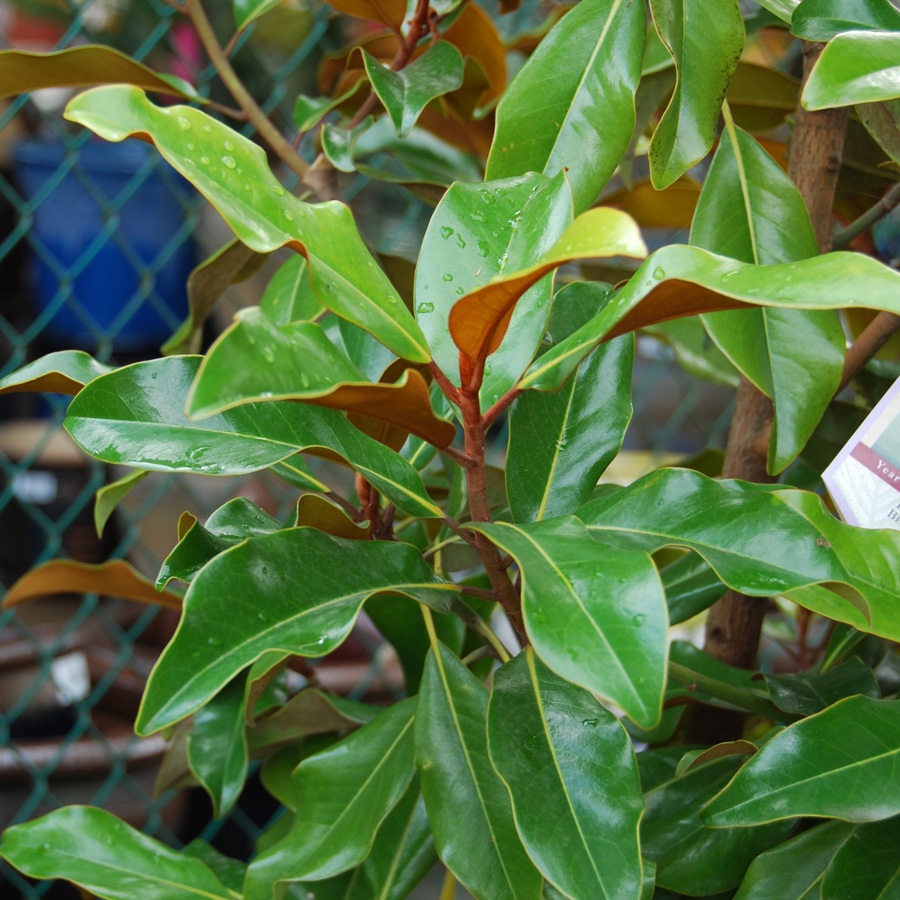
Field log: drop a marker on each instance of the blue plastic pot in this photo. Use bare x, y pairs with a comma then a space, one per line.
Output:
94, 275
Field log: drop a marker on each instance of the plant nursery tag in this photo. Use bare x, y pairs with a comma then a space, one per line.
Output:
864, 478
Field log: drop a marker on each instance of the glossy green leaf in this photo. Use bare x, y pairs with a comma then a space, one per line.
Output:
705, 40
479, 321
403, 851
209, 649
479, 232
758, 543
855, 67
571, 106
399, 621
255, 360
808, 694
866, 864
295, 471
111, 495
595, 615
691, 586
406, 93
571, 772
309, 712
217, 746
345, 793
63, 372
309, 111
695, 351
245, 11
784, 9
229, 871
116, 419
232, 173
751, 211
229, 525
560, 443
691, 858
233, 263
821, 20
77, 67
679, 281
838, 763
338, 143
794, 870
289, 296
99, 852
468, 805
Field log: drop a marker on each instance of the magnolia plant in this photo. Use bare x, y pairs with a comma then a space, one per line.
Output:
576, 752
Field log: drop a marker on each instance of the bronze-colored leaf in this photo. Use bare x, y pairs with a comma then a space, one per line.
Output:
317, 512
115, 578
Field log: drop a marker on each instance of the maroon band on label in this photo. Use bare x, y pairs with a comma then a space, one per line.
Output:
874, 462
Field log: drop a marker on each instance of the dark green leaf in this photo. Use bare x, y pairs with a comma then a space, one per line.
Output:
468, 805
571, 106
289, 296
209, 648
309, 111
705, 40
338, 143
230, 524
217, 746
691, 586
691, 858
750, 210
232, 173
479, 232
794, 870
344, 794
596, 615
229, 871
784, 9
808, 694
570, 769
838, 763
855, 67
678, 281
136, 417
821, 20
759, 542
255, 360
99, 852
866, 865
406, 93
399, 620
403, 851
560, 443
63, 372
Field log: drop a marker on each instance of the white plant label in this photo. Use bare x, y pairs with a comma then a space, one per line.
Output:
864, 478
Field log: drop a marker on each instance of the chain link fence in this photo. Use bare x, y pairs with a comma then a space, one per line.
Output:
87, 259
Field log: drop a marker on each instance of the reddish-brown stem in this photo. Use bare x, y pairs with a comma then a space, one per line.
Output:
491, 415
228, 49
458, 456
237, 114
479, 509
481, 593
447, 387
346, 505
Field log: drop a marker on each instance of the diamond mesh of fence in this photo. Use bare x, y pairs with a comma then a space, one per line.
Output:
72, 670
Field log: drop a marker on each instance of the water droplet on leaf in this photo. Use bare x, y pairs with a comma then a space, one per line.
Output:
185, 125
229, 162
425, 307
659, 273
